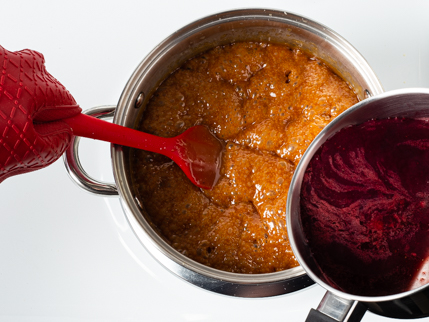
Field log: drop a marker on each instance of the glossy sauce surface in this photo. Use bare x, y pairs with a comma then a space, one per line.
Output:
266, 102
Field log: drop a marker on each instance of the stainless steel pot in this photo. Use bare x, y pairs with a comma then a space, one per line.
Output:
337, 305
223, 28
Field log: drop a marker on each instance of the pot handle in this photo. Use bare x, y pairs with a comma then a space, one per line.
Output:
333, 308
74, 167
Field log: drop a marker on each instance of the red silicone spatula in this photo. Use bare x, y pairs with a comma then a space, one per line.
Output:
196, 151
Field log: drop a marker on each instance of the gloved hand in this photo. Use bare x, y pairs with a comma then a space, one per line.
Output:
32, 104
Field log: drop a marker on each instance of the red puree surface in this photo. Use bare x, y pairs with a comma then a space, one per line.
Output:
365, 206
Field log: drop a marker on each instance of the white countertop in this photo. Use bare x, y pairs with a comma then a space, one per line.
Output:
67, 255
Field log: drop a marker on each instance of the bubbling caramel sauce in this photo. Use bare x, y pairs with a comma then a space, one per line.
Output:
266, 102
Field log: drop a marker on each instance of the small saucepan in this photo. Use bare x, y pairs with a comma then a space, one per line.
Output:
338, 305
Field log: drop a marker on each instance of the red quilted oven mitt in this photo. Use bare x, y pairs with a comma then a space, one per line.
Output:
32, 104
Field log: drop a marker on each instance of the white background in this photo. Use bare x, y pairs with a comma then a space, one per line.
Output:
66, 255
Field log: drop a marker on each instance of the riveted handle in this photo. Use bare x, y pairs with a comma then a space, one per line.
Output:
333, 308
74, 166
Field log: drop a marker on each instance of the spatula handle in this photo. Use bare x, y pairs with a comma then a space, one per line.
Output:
93, 128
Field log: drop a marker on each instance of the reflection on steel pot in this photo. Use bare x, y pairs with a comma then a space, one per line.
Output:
255, 25
338, 305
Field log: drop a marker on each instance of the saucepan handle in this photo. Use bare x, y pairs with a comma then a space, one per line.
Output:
333, 308
74, 166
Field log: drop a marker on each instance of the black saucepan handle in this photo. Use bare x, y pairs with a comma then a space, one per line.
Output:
333, 308
317, 316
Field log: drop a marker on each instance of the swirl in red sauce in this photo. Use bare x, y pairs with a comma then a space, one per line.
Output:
365, 206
